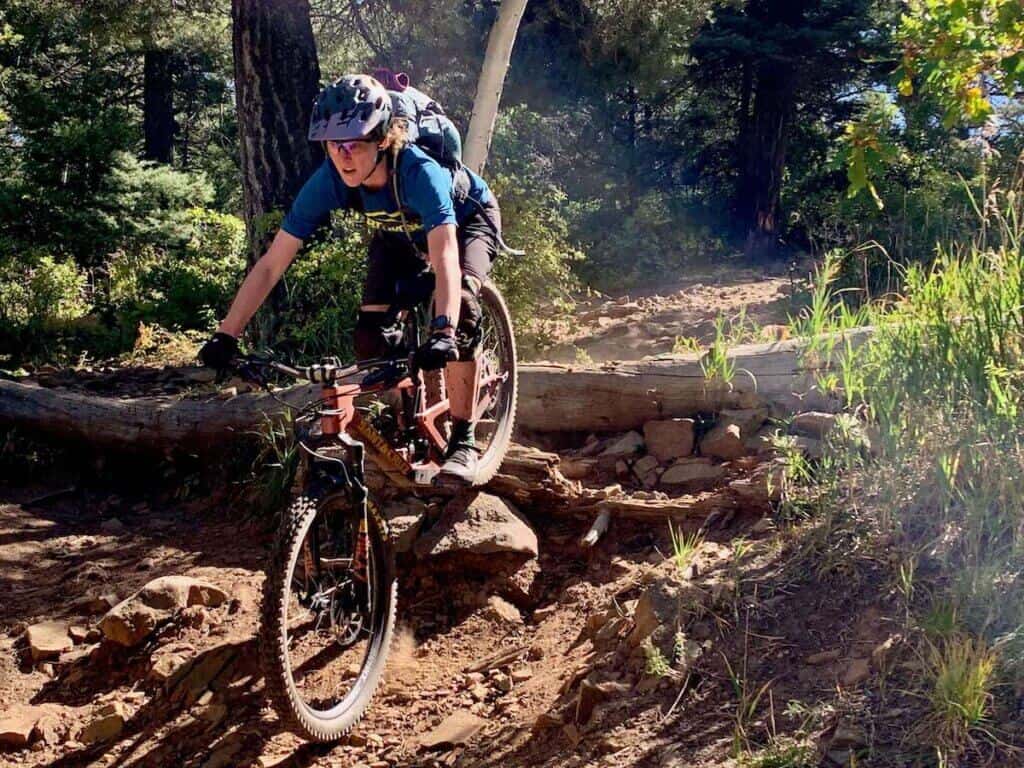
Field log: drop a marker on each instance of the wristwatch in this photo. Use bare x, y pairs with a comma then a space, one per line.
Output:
440, 323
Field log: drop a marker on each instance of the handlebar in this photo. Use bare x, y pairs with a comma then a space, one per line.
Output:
330, 370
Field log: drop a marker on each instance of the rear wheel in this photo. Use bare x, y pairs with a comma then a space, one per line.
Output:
328, 615
499, 383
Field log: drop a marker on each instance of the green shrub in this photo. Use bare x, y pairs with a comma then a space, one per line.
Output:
42, 292
535, 215
143, 204
323, 288
44, 308
539, 285
185, 287
659, 237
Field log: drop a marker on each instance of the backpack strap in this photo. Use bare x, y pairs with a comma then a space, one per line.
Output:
398, 202
460, 191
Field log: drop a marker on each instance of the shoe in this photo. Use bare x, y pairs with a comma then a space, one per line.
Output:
460, 468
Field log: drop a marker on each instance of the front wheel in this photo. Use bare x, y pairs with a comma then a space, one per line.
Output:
499, 383
329, 604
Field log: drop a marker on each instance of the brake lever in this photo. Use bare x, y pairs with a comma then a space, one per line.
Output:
249, 372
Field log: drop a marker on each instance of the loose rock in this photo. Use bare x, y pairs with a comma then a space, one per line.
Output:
645, 465
813, 424
669, 439
50, 729
577, 468
457, 728
486, 525
628, 445
107, 725
502, 682
521, 674
502, 611
405, 518
727, 439
132, 620
17, 724
724, 441
692, 472
48, 639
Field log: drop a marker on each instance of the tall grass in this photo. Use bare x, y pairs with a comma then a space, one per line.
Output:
942, 378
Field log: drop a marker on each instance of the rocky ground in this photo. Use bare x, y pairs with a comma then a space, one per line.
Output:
128, 634
129, 615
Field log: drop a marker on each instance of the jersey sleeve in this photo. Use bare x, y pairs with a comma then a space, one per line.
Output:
314, 203
427, 190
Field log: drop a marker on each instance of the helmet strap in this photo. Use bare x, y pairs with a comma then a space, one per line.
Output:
380, 154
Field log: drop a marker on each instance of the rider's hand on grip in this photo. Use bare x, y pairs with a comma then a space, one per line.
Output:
436, 352
219, 351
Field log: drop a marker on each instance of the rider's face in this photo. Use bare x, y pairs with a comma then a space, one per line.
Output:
353, 159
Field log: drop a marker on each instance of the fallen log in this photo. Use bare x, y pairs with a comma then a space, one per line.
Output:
623, 396
143, 423
552, 398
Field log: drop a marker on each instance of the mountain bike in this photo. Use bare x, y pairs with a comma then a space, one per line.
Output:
330, 595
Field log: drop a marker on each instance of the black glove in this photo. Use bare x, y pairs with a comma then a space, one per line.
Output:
436, 352
219, 351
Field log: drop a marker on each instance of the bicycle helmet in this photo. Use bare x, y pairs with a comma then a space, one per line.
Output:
353, 107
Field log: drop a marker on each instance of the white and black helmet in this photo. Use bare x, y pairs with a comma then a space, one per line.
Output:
353, 107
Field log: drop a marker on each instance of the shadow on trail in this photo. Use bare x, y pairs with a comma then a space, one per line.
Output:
57, 553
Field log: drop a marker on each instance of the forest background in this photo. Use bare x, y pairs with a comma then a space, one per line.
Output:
636, 141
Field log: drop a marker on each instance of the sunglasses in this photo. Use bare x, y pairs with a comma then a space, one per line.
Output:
348, 147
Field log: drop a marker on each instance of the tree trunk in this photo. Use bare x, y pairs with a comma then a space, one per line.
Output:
744, 201
774, 107
277, 76
492, 80
158, 106
761, 186
633, 159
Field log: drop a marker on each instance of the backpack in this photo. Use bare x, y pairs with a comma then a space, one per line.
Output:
430, 129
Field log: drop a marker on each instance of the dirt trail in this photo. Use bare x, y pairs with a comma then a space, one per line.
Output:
654, 321
58, 554
583, 690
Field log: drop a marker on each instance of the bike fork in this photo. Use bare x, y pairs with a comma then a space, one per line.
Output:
360, 565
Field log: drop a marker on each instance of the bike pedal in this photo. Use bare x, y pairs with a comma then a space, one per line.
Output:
425, 476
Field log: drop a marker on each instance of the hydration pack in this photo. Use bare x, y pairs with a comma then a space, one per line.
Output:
430, 129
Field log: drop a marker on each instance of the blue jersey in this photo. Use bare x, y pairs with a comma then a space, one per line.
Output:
423, 184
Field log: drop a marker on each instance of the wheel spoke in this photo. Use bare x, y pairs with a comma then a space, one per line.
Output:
329, 617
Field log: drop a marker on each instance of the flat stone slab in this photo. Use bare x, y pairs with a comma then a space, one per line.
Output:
48, 640
457, 728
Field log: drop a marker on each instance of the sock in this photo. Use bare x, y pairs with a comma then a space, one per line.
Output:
462, 433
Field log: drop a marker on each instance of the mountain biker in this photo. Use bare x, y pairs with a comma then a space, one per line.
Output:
369, 162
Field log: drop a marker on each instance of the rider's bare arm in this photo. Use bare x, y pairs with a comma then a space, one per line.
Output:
443, 252
263, 277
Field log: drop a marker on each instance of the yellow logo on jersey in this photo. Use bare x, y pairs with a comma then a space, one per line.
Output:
392, 221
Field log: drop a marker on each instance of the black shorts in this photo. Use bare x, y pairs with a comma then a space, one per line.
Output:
392, 257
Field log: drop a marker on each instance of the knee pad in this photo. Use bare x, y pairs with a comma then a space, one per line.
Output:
367, 338
468, 334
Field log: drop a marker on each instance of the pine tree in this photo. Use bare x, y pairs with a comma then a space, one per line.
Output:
778, 62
